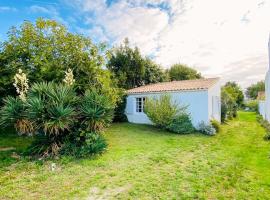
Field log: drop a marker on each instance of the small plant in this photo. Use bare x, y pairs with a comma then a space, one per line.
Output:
216, 125
84, 144
266, 125
181, 124
206, 129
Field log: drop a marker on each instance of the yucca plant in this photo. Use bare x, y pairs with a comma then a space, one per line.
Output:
51, 107
96, 110
13, 114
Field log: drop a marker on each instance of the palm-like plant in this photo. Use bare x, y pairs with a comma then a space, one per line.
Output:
13, 113
52, 109
96, 110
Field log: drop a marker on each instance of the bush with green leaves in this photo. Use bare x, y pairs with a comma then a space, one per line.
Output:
252, 105
206, 129
266, 125
13, 114
95, 110
181, 124
215, 124
161, 111
84, 144
56, 113
166, 114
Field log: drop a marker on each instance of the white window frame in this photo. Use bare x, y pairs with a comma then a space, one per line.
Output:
140, 104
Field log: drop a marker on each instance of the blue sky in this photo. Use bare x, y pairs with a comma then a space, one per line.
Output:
217, 37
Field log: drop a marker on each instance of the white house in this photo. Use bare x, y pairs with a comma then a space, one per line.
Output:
202, 97
264, 106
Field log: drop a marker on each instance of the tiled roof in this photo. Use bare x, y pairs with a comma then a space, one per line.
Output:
198, 84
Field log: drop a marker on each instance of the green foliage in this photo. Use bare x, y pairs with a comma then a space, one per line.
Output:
216, 125
206, 129
84, 145
252, 91
232, 98
13, 114
182, 72
266, 125
181, 124
132, 69
161, 111
252, 105
235, 92
50, 107
96, 110
45, 49
56, 113
12, 111
119, 112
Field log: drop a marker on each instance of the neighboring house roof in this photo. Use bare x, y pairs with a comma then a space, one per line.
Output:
261, 95
197, 84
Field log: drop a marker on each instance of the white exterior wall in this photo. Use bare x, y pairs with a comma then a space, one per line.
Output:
214, 102
267, 88
262, 108
199, 105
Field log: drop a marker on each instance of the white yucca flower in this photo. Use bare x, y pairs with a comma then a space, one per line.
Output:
21, 84
69, 78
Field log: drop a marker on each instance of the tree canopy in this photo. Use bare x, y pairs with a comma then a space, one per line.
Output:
252, 91
132, 69
182, 72
235, 92
45, 49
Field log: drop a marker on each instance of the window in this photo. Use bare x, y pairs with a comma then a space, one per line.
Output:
139, 104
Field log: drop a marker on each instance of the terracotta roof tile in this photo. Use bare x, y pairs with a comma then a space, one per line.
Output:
198, 84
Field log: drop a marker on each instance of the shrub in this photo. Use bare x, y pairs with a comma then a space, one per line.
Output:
51, 107
181, 124
119, 112
84, 144
206, 129
266, 125
54, 113
252, 105
216, 125
13, 114
228, 106
96, 110
162, 111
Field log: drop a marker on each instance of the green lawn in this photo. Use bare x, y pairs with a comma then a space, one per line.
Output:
145, 163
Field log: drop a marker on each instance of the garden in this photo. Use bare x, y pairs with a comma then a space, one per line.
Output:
143, 162
64, 134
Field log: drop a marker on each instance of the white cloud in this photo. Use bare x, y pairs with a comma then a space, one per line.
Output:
214, 36
7, 9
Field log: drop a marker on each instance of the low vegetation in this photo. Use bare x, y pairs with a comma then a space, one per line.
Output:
62, 120
168, 115
144, 162
265, 124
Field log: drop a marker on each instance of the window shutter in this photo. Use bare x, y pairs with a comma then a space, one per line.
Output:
130, 105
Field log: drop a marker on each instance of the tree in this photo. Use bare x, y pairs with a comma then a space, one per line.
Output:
232, 98
45, 49
252, 91
182, 72
131, 68
235, 92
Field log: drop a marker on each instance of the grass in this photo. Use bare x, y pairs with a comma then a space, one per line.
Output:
145, 163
